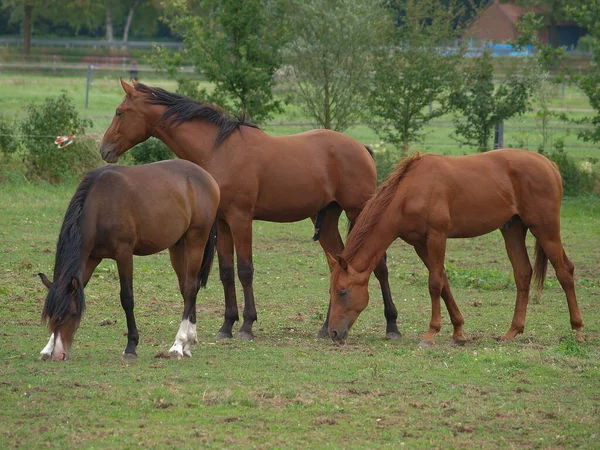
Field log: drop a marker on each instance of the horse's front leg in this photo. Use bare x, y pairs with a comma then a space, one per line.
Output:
227, 275
241, 230
125, 266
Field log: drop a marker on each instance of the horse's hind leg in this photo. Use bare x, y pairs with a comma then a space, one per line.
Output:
331, 242
227, 275
186, 259
549, 239
124, 260
514, 241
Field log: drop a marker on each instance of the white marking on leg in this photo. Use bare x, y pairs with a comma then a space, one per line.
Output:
46, 352
185, 336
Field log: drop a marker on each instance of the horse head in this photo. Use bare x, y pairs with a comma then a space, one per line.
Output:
63, 311
129, 126
349, 296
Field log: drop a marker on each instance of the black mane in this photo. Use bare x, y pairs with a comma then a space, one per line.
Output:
182, 109
68, 258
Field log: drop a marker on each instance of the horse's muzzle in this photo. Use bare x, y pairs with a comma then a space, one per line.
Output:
338, 335
108, 153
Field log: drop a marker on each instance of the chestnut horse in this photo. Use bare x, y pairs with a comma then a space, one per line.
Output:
430, 198
317, 174
118, 212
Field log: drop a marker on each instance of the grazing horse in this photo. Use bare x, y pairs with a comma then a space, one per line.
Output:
118, 212
430, 198
317, 174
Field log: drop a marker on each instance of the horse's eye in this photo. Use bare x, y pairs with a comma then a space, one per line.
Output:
342, 292
117, 113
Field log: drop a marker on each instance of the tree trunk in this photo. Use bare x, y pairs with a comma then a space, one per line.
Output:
27, 29
110, 36
128, 21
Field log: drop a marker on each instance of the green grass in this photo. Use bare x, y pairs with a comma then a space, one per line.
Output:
287, 389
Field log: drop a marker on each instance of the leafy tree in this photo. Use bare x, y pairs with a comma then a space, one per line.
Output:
551, 12
331, 57
235, 45
482, 105
417, 69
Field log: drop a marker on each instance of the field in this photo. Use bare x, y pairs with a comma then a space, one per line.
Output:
106, 94
286, 388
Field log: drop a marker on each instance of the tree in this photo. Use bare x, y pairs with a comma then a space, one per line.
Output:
331, 57
551, 12
235, 45
482, 105
417, 69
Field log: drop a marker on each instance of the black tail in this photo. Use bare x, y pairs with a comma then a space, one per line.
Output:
209, 255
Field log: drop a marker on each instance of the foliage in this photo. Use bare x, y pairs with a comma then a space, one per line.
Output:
331, 57
416, 69
482, 104
9, 142
57, 116
577, 178
149, 151
235, 45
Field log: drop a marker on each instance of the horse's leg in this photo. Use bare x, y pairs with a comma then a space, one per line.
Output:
514, 241
331, 242
188, 261
456, 316
241, 230
432, 253
549, 239
124, 260
227, 275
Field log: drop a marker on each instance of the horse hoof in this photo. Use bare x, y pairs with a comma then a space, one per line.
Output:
393, 335
323, 334
578, 336
425, 344
459, 342
45, 356
222, 335
129, 356
245, 336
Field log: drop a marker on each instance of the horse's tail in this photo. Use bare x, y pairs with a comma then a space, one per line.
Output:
67, 279
209, 254
540, 268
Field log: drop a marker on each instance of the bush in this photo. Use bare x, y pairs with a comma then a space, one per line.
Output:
9, 143
151, 150
56, 116
577, 179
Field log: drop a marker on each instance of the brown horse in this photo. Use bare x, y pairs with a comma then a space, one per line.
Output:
431, 198
317, 174
118, 212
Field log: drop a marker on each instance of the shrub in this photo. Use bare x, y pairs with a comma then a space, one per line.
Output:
577, 179
9, 143
56, 116
150, 151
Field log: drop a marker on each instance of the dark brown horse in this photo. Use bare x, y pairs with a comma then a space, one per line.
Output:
317, 174
431, 198
118, 212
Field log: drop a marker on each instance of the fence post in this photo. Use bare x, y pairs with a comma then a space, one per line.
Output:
88, 85
499, 136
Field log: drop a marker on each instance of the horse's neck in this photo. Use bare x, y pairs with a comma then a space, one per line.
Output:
373, 247
192, 141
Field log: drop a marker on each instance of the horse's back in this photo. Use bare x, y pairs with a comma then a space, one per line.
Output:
149, 207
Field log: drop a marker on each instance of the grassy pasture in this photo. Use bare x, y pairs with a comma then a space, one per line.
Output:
106, 94
287, 389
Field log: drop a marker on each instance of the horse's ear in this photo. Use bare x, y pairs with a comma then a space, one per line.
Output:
129, 89
330, 259
342, 262
133, 82
45, 280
